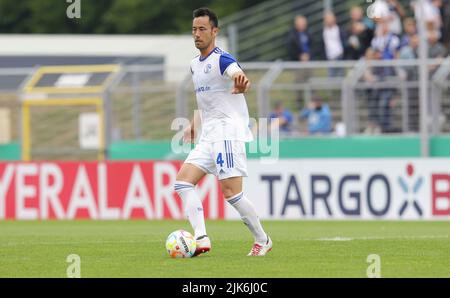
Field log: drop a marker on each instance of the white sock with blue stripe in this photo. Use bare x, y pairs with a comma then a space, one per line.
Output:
248, 214
192, 206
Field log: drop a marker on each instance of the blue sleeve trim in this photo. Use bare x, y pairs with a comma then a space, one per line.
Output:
225, 61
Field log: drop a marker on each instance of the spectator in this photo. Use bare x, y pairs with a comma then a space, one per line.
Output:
357, 42
299, 44
445, 12
438, 24
410, 51
333, 43
435, 49
373, 125
396, 14
299, 47
360, 34
390, 11
410, 29
386, 44
379, 10
437, 7
318, 116
284, 117
432, 14
411, 73
380, 100
385, 41
357, 15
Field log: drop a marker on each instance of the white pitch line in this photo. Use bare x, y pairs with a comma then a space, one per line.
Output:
335, 239
381, 238
8, 244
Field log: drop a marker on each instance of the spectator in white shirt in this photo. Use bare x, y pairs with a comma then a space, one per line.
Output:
385, 44
333, 43
431, 12
396, 14
390, 11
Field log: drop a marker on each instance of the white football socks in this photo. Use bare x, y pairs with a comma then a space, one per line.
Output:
192, 206
249, 216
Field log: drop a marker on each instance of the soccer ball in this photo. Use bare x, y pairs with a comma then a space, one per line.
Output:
181, 244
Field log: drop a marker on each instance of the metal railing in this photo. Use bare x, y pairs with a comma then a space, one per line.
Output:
345, 91
12, 81
140, 104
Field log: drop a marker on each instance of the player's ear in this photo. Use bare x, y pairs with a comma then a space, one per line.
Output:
215, 31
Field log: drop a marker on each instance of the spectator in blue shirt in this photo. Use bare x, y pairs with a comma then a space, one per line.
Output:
284, 116
318, 116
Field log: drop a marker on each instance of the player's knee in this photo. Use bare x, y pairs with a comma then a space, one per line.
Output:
230, 189
228, 192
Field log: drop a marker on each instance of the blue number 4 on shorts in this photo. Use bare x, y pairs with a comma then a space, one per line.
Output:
228, 156
219, 159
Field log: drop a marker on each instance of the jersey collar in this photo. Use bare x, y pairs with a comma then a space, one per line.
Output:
204, 58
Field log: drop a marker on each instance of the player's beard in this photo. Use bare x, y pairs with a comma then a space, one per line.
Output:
198, 46
203, 44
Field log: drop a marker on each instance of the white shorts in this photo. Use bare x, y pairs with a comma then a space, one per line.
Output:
224, 159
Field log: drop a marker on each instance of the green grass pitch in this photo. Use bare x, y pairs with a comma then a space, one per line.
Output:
301, 249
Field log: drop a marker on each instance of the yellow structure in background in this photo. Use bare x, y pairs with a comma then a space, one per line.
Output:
38, 92
5, 125
32, 85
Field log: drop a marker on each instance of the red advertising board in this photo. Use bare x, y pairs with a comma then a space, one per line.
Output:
91, 190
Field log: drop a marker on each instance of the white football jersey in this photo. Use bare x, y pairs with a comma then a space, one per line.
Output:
224, 115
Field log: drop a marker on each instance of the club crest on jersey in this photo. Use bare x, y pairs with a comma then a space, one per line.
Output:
208, 68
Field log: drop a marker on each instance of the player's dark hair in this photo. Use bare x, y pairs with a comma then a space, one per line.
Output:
204, 11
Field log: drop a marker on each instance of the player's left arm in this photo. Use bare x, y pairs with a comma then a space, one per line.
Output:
231, 68
237, 75
241, 83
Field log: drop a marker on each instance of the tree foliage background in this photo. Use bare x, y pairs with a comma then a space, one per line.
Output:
109, 16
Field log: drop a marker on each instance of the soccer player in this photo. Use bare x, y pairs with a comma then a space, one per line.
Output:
224, 131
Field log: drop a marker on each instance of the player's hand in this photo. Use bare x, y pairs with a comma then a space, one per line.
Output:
241, 84
189, 135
